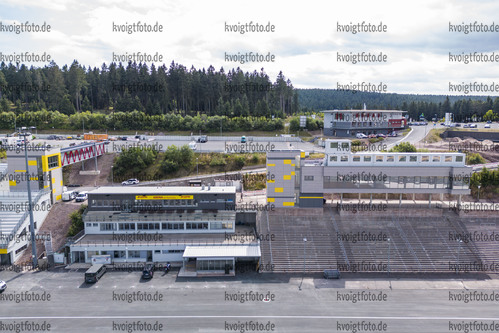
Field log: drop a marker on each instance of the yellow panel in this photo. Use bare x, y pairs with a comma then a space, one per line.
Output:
271, 165
292, 173
45, 186
58, 197
286, 177
61, 183
292, 165
32, 162
302, 154
270, 181
287, 161
163, 197
53, 190
12, 183
3, 251
270, 199
279, 190
19, 170
33, 178
289, 204
53, 180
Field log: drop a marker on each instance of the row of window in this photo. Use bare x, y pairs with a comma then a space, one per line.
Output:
393, 158
441, 182
162, 226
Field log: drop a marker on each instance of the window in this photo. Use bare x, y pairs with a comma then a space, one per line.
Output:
367, 158
126, 226
334, 145
107, 226
133, 254
333, 158
147, 226
390, 158
53, 162
379, 158
413, 158
356, 158
344, 145
402, 158
89, 225
436, 159
309, 178
425, 158
459, 158
344, 158
448, 158
172, 226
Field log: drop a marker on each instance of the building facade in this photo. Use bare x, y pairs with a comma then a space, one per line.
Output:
347, 123
301, 182
167, 224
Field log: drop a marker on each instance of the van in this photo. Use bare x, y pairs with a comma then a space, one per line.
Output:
331, 274
68, 196
193, 145
94, 273
243, 139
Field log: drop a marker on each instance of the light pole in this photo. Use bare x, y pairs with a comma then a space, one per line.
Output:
31, 220
478, 192
304, 253
460, 241
112, 175
389, 248
197, 166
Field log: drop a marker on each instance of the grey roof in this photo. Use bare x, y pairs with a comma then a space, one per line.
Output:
163, 190
385, 111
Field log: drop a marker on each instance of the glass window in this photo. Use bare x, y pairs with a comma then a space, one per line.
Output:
356, 158
367, 158
333, 158
459, 158
448, 158
344, 158
334, 145
436, 159
390, 158
413, 158
379, 158
309, 178
344, 145
425, 158
402, 158
53, 162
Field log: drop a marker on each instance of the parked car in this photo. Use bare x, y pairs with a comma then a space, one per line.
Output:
466, 126
393, 134
361, 136
148, 271
243, 139
124, 138
380, 135
3, 286
52, 137
131, 181
372, 136
489, 122
203, 139
486, 126
68, 195
331, 274
82, 196
72, 144
473, 126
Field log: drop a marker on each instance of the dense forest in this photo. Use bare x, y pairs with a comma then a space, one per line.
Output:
462, 107
197, 98
152, 90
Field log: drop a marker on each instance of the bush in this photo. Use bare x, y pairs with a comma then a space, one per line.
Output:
77, 224
404, 147
239, 161
475, 158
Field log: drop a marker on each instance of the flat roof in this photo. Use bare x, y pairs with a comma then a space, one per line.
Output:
223, 251
385, 111
163, 190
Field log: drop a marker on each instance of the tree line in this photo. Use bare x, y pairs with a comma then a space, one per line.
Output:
149, 89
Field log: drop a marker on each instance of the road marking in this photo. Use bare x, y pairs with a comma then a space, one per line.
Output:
255, 317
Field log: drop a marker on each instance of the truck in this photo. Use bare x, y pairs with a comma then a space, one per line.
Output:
95, 137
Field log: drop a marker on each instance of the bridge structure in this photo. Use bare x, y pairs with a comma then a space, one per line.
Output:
82, 152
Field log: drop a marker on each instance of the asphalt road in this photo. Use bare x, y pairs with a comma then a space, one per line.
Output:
209, 305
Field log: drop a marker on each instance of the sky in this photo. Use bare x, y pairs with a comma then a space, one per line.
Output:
304, 44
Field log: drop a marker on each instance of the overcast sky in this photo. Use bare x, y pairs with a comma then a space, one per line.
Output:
305, 42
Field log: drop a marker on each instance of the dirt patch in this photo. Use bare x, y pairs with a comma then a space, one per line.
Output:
104, 164
57, 223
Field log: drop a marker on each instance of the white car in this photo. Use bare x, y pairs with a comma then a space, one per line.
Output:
486, 126
82, 196
361, 136
131, 181
3, 286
